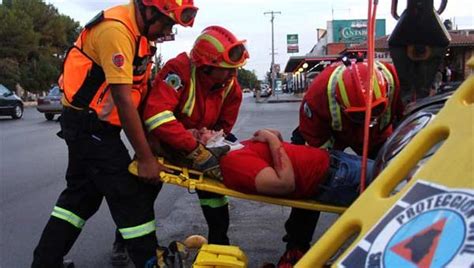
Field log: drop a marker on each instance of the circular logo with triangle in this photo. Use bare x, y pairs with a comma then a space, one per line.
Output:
430, 226
436, 231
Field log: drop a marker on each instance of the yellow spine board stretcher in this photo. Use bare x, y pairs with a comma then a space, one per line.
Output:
450, 169
194, 180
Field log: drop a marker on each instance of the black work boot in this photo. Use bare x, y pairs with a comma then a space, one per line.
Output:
55, 242
119, 257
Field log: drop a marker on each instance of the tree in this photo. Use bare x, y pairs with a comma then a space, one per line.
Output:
33, 37
246, 78
17, 37
9, 72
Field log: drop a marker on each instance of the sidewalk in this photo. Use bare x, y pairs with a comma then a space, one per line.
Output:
286, 97
29, 104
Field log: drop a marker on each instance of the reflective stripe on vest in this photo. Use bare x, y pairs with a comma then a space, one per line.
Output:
138, 231
159, 119
334, 108
189, 104
68, 216
214, 202
188, 107
386, 117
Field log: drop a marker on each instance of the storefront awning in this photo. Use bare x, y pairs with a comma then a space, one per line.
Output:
313, 62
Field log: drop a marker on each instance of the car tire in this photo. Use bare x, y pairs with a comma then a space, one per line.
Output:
49, 116
17, 111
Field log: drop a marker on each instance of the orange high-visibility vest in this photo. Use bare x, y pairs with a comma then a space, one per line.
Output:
83, 81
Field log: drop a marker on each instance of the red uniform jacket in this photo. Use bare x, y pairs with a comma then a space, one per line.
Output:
173, 107
315, 118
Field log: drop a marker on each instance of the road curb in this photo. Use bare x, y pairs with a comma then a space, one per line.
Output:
279, 101
30, 104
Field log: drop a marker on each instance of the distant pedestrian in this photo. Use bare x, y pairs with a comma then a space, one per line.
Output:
437, 81
447, 74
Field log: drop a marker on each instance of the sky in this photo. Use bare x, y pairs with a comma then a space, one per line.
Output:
246, 19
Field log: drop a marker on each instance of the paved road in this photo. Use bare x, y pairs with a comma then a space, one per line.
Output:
32, 165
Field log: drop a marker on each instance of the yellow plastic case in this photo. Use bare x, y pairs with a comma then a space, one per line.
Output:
430, 221
216, 256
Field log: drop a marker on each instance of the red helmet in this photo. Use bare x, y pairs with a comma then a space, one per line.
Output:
182, 12
351, 89
216, 46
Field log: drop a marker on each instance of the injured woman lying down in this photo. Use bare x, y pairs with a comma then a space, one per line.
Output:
267, 165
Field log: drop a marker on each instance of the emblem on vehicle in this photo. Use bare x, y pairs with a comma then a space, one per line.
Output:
174, 81
431, 226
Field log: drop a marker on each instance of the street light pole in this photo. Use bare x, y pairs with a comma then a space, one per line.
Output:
272, 13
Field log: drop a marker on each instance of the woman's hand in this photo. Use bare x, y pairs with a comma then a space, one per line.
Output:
275, 132
263, 135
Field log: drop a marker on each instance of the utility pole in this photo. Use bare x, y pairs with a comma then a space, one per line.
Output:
273, 75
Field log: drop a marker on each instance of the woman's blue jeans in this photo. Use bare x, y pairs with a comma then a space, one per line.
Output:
343, 182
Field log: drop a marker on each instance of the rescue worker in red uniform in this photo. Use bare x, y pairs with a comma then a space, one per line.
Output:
196, 91
104, 81
332, 115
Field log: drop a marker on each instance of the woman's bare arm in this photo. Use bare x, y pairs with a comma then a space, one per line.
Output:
279, 179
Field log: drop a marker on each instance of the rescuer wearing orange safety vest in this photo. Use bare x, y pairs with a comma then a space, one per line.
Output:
104, 81
332, 115
193, 92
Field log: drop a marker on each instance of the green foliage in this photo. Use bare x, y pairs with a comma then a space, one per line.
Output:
246, 78
9, 72
40, 73
33, 38
16, 34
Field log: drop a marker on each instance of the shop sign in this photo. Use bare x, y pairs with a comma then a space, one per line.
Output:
292, 43
355, 31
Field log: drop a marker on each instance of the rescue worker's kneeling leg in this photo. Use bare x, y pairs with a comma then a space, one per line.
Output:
216, 211
300, 228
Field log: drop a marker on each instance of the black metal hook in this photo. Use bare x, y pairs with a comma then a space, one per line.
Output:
395, 15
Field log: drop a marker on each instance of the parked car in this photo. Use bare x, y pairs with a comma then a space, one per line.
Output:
265, 91
10, 103
50, 105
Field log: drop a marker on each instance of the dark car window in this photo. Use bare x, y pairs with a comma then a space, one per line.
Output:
54, 92
4, 90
